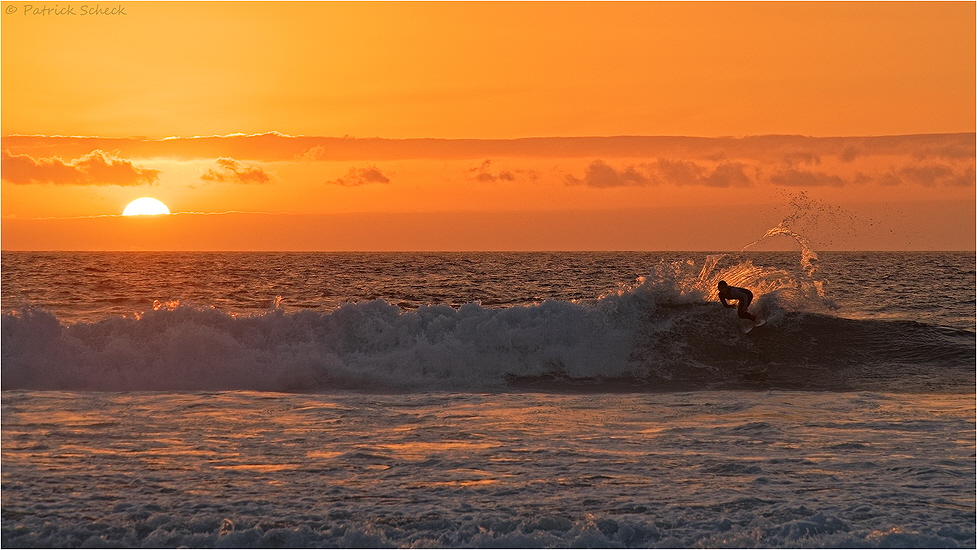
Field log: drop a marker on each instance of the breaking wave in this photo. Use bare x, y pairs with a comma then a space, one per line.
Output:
664, 332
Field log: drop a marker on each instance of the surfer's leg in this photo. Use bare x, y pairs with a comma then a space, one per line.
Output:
744, 305
743, 313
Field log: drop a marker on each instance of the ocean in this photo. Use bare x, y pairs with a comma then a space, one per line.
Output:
489, 399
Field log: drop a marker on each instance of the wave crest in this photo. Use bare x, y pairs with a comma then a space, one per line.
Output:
662, 332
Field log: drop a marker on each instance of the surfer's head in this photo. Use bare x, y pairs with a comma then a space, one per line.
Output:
722, 285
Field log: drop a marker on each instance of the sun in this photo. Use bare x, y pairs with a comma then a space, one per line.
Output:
145, 206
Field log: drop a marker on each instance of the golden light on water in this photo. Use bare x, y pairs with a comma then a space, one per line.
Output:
145, 206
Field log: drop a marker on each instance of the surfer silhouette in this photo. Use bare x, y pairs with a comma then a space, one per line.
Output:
741, 295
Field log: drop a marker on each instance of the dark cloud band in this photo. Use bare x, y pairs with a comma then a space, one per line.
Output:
94, 168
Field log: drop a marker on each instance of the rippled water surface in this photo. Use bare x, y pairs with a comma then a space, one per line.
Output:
87, 286
516, 469
487, 400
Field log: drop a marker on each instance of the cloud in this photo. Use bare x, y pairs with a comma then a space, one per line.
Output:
725, 174
601, 174
483, 174
672, 172
923, 174
229, 170
680, 172
934, 174
728, 174
361, 176
802, 178
849, 153
95, 168
791, 151
312, 154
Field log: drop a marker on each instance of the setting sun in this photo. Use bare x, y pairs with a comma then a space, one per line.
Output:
145, 206
488, 237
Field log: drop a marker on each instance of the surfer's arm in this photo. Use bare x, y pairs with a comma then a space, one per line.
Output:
723, 300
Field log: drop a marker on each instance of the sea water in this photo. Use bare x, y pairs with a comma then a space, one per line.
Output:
487, 400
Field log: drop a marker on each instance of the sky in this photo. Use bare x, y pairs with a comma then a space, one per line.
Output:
488, 126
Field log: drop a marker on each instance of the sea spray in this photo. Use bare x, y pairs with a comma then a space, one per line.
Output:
806, 290
662, 332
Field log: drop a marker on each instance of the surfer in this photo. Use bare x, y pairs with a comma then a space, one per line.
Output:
741, 295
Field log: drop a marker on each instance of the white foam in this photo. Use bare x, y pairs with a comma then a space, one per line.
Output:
373, 345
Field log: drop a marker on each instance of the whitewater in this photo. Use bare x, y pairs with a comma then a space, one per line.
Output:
487, 400
658, 331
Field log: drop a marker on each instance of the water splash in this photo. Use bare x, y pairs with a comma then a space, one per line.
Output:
804, 209
804, 290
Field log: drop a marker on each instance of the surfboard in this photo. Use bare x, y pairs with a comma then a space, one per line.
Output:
759, 322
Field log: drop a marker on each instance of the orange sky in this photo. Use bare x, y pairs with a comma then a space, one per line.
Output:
478, 77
